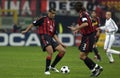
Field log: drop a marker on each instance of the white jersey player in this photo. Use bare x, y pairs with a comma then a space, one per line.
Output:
110, 28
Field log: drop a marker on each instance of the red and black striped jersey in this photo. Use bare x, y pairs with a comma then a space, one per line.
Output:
95, 22
84, 17
45, 25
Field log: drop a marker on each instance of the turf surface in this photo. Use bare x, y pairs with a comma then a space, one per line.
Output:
29, 62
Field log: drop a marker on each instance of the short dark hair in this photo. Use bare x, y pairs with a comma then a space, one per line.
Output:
52, 9
93, 10
79, 6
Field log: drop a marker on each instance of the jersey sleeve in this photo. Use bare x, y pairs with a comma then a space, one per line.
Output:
84, 19
102, 27
114, 26
38, 22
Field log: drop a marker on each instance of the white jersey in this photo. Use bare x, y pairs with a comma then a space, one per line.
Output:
112, 28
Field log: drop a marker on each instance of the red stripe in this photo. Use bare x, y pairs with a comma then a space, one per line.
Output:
87, 46
60, 55
45, 27
49, 57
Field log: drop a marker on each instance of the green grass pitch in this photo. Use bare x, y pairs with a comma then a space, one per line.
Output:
29, 62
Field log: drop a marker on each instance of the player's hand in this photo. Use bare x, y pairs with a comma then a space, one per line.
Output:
98, 29
72, 28
106, 30
75, 32
98, 34
23, 32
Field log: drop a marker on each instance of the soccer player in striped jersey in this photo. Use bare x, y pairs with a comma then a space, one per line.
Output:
49, 40
96, 24
86, 29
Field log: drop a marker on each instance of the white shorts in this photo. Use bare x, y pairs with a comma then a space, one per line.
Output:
109, 41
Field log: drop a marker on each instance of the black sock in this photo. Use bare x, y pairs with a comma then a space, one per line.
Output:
57, 59
48, 61
96, 53
89, 63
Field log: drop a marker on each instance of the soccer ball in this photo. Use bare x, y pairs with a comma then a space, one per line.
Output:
65, 69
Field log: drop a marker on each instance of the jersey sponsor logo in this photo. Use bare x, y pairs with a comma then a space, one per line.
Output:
48, 22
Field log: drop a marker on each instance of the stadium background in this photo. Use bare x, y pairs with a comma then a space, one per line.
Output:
18, 61
29, 10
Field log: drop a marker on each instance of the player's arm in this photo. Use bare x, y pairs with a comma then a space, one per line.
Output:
77, 27
57, 39
98, 33
101, 28
113, 27
111, 30
35, 23
27, 29
84, 24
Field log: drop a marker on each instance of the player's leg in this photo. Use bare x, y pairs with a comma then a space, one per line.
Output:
45, 45
86, 47
89, 63
112, 39
107, 45
49, 50
96, 52
59, 56
95, 68
114, 51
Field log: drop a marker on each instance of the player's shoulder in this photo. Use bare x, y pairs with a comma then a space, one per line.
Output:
98, 18
110, 20
39, 20
85, 14
42, 17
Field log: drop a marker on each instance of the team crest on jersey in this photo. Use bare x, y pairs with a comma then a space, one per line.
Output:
48, 22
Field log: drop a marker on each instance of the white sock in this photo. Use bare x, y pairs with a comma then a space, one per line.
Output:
113, 51
110, 57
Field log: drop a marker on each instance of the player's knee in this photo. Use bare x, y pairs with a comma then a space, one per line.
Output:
82, 57
62, 50
50, 53
107, 50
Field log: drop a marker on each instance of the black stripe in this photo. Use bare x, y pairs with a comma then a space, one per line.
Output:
43, 26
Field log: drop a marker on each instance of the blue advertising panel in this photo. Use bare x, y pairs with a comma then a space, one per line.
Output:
31, 39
